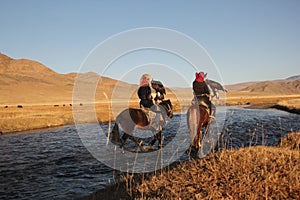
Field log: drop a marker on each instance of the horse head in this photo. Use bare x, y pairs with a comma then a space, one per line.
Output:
167, 105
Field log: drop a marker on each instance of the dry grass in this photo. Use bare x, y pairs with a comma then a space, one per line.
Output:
244, 97
248, 173
13, 119
290, 105
291, 141
293, 103
30, 117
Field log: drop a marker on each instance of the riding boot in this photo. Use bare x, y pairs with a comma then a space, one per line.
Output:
212, 111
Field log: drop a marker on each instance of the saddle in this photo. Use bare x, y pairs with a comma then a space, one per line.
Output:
203, 103
155, 119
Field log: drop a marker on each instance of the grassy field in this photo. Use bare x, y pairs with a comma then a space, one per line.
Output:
30, 117
289, 103
37, 116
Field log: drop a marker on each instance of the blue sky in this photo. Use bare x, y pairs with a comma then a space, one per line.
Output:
248, 40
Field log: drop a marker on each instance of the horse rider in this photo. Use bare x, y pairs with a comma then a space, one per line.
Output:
202, 92
146, 93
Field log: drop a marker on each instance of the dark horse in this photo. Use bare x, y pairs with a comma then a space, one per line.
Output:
131, 118
198, 118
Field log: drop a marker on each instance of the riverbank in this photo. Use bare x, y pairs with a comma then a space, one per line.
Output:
26, 117
19, 118
288, 103
291, 106
259, 172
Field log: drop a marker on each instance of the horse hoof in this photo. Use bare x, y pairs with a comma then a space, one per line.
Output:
147, 148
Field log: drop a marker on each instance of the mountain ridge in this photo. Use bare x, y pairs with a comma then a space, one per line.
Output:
29, 81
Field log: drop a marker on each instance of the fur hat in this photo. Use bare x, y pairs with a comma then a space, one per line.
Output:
145, 79
200, 76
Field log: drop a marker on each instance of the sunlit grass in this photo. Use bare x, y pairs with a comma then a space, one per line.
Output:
248, 173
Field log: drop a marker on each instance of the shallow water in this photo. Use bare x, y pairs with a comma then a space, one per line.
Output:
54, 164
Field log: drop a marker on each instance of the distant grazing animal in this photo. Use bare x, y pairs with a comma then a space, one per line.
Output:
131, 118
19, 106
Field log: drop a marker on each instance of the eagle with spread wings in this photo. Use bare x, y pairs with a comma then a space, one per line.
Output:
215, 87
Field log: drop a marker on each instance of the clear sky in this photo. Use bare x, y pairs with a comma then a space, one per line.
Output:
250, 40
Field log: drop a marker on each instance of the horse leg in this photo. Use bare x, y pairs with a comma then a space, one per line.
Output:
160, 139
199, 138
207, 127
152, 142
139, 143
123, 140
115, 139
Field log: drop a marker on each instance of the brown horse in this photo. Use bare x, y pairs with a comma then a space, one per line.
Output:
131, 119
198, 118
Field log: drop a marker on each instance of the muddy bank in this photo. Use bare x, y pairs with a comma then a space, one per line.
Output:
290, 108
286, 108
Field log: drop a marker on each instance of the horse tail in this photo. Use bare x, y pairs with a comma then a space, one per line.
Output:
115, 134
192, 119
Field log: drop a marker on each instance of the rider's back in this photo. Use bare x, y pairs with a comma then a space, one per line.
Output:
144, 93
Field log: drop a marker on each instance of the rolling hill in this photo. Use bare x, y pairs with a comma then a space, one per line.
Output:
24, 81
284, 87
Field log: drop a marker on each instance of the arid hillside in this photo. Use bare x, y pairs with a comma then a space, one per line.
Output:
238, 86
288, 86
264, 92
25, 81
28, 82
284, 87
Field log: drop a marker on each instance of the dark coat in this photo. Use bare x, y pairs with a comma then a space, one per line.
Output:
144, 93
200, 88
201, 92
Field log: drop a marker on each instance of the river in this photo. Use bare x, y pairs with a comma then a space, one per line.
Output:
54, 164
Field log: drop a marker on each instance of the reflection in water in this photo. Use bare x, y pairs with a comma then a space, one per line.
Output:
55, 164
